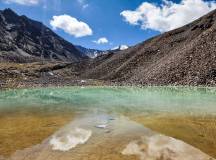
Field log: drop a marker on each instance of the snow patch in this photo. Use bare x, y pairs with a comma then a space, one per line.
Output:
121, 47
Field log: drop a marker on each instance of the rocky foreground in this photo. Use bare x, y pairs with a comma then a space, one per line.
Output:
43, 74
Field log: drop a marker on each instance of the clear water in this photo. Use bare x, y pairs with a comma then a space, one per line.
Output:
115, 99
101, 128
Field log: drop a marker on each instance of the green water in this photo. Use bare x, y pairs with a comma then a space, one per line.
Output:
114, 107
113, 99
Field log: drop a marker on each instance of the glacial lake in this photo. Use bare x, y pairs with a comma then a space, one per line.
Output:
118, 123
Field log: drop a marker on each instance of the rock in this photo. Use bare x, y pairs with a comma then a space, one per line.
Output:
177, 57
26, 40
101, 126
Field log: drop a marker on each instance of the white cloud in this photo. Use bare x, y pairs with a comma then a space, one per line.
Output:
23, 2
71, 25
102, 40
168, 15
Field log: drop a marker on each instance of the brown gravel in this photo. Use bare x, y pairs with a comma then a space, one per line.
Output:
184, 56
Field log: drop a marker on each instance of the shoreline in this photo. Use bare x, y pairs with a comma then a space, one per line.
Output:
88, 83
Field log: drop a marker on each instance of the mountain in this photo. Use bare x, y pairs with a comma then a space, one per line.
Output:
25, 40
120, 48
184, 56
92, 53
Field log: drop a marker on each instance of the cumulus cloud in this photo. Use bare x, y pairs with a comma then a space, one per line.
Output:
71, 25
102, 40
168, 15
23, 2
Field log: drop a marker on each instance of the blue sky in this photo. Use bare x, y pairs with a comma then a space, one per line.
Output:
118, 21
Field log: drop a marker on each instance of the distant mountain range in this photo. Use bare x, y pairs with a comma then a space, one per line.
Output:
92, 53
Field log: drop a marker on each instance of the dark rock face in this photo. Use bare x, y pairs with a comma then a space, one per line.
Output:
25, 40
184, 56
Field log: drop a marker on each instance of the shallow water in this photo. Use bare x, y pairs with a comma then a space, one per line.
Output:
108, 123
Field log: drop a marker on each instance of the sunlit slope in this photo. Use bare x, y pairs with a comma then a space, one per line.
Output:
184, 56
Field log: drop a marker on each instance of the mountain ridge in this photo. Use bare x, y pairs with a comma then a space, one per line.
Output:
184, 56
23, 40
92, 53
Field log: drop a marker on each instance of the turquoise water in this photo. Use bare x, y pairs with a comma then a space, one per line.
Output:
102, 127
113, 99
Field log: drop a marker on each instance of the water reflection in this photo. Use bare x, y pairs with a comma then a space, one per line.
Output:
109, 122
82, 140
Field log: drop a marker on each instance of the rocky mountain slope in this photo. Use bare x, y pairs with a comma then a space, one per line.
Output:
26, 40
184, 56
